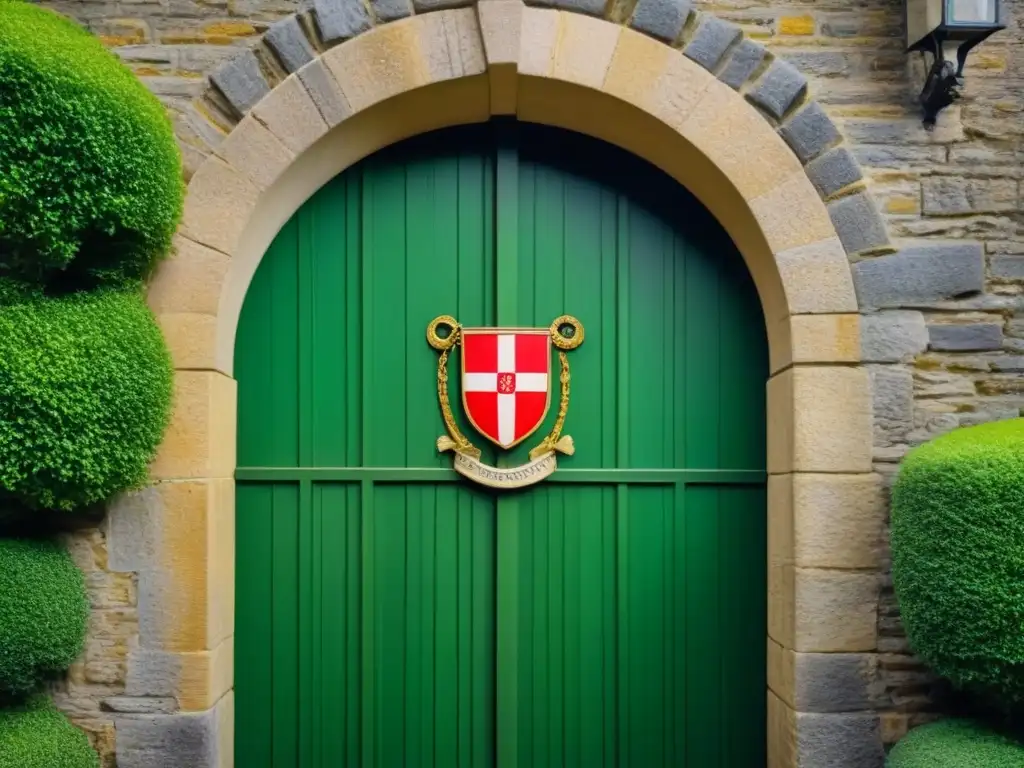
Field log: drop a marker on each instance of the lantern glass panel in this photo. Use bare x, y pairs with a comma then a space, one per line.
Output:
971, 11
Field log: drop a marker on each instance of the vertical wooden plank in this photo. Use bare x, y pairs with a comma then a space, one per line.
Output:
306, 615
285, 617
369, 677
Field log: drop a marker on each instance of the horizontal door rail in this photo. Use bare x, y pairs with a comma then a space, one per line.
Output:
441, 475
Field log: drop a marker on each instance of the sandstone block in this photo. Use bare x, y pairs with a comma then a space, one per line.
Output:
835, 611
241, 81
810, 132
973, 337
325, 92
817, 279
194, 680
188, 281
791, 214
781, 733
858, 223
290, 43
892, 337
291, 115
780, 86
200, 442
924, 273
663, 19
823, 339
824, 682
217, 205
711, 40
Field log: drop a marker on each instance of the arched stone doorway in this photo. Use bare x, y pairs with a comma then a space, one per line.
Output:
612, 82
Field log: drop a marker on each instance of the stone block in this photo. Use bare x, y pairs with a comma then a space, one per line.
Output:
921, 274
217, 206
833, 171
781, 733
426, 6
819, 420
1007, 267
839, 741
824, 682
200, 441
340, 20
589, 7
778, 89
810, 132
834, 611
892, 337
817, 279
140, 705
711, 40
256, 152
390, 10
828, 520
584, 51
194, 680
662, 19
745, 60
823, 339
791, 214
291, 115
892, 395
957, 195
241, 81
172, 741
289, 42
188, 281
325, 92
191, 339
858, 223
132, 531
965, 337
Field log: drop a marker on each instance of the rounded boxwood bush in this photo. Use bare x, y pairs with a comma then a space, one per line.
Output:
44, 611
90, 174
85, 391
958, 556
955, 744
37, 735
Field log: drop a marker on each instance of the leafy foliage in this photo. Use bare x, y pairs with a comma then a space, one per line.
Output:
955, 744
958, 556
90, 175
44, 611
37, 735
85, 391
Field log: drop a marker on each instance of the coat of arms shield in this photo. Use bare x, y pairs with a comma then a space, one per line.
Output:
506, 381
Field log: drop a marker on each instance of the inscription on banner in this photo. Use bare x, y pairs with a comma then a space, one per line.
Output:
496, 477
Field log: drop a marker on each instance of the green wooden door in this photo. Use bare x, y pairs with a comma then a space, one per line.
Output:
391, 614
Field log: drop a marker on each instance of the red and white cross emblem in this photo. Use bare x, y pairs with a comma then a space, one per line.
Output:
506, 376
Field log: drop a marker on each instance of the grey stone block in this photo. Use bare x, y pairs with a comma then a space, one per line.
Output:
186, 740
324, 92
920, 274
590, 7
892, 397
289, 42
858, 223
972, 337
781, 85
834, 170
1008, 267
152, 674
133, 531
1010, 363
839, 741
810, 132
892, 337
663, 19
340, 20
391, 10
745, 59
241, 81
140, 705
835, 682
425, 6
711, 40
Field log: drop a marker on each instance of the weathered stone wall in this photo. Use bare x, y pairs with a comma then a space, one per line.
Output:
943, 332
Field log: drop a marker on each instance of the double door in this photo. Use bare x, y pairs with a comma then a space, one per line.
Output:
388, 612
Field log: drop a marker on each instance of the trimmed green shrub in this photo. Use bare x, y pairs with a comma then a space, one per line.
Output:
85, 392
44, 612
37, 735
90, 175
955, 744
958, 556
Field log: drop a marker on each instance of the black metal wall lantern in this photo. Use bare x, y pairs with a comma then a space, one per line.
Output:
948, 30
